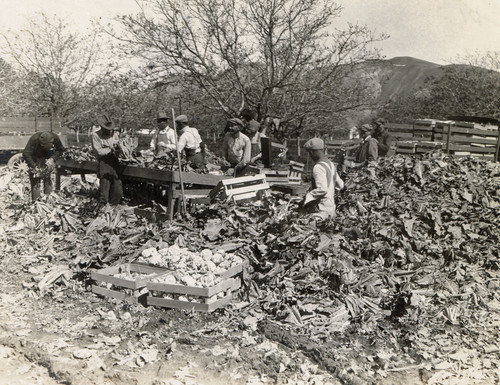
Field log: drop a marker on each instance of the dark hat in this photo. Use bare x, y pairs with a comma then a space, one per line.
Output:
181, 119
315, 144
46, 139
106, 122
162, 115
237, 121
380, 121
366, 128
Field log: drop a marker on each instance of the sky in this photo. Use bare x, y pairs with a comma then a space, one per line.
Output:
434, 30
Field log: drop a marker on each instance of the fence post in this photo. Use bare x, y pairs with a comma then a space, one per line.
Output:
497, 150
448, 139
298, 146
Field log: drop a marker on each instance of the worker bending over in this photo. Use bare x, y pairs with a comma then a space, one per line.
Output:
105, 142
41, 153
325, 180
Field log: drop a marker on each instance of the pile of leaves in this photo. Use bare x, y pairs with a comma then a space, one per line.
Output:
128, 155
411, 260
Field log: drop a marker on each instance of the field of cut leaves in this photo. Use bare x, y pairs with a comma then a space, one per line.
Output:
401, 287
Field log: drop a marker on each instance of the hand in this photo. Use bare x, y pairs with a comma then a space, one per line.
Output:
50, 163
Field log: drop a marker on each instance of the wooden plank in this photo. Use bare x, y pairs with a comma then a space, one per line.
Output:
402, 134
243, 179
247, 197
405, 151
232, 271
484, 150
474, 131
192, 193
465, 139
115, 294
146, 174
187, 305
191, 290
106, 275
246, 189
422, 129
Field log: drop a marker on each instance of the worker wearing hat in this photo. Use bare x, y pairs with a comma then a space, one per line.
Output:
368, 150
325, 180
384, 139
236, 147
190, 142
40, 153
105, 142
163, 140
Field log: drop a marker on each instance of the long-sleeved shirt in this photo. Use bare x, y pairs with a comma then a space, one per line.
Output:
163, 141
368, 150
237, 150
102, 144
33, 153
189, 139
325, 181
384, 143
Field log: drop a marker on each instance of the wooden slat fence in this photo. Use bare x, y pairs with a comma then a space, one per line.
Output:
26, 125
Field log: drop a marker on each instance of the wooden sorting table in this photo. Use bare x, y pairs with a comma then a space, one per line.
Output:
167, 179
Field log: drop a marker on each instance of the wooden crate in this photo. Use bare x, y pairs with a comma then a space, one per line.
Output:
275, 176
124, 288
295, 172
246, 188
200, 295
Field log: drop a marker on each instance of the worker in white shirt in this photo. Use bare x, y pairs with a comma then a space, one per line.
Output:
190, 142
321, 197
163, 141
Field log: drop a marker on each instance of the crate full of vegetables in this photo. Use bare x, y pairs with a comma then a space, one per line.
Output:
125, 281
203, 281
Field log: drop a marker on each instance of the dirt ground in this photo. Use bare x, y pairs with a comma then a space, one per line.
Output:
75, 337
72, 336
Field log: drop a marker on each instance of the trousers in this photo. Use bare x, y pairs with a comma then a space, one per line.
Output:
35, 183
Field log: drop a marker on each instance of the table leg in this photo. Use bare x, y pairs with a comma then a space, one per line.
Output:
170, 200
58, 179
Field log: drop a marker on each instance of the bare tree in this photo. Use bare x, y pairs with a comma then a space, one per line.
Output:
279, 57
53, 64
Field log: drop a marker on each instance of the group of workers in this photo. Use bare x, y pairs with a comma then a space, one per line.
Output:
241, 147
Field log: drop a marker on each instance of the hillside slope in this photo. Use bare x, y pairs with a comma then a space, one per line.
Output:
402, 76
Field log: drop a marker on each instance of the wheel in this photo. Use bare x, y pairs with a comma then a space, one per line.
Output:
16, 162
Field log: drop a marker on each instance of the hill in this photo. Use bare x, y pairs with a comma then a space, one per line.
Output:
402, 76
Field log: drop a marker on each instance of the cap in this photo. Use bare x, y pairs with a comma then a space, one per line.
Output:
181, 119
380, 121
46, 139
237, 121
314, 144
366, 128
106, 122
162, 115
